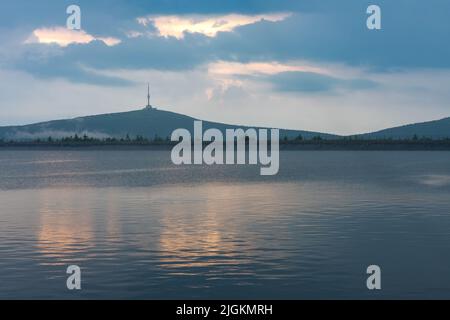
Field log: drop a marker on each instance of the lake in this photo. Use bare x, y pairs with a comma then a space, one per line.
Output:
140, 227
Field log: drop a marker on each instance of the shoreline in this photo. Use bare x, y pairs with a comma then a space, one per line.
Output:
306, 146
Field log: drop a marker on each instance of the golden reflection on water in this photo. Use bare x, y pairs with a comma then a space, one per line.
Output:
204, 231
65, 225
180, 226
191, 241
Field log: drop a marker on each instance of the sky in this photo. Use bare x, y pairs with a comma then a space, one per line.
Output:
297, 64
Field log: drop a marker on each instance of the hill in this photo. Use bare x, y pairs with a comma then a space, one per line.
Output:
437, 129
147, 123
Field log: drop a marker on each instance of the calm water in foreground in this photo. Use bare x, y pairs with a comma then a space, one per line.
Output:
140, 227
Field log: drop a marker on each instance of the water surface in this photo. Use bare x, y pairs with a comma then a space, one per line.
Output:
140, 227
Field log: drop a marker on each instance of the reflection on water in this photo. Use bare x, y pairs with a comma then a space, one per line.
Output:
436, 180
195, 243
145, 229
63, 230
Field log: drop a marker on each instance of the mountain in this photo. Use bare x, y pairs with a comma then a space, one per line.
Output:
436, 129
145, 122
151, 122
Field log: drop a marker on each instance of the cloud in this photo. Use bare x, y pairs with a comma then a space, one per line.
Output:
109, 41
52, 64
225, 89
252, 68
298, 77
186, 38
63, 37
309, 82
413, 34
208, 25
73, 61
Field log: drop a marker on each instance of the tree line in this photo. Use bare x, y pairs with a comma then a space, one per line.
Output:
80, 140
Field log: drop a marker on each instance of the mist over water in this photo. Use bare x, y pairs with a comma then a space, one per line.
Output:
141, 227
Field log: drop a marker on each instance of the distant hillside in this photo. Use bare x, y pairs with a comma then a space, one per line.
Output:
150, 123
147, 123
437, 129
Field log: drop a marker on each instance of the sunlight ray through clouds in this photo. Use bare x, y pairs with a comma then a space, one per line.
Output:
209, 25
